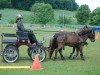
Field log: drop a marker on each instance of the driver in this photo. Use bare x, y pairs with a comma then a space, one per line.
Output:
20, 27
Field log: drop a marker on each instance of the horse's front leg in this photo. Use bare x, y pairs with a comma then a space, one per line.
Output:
60, 52
81, 52
77, 52
72, 53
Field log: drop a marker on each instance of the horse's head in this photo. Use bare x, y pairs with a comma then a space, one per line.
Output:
90, 33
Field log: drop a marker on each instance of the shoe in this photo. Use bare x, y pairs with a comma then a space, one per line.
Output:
33, 45
39, 44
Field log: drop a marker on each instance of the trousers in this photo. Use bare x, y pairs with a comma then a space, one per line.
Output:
32, 38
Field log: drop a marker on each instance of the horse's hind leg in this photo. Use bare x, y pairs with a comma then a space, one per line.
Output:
72, 53
50, 54
55, 54
60, 52
60, 46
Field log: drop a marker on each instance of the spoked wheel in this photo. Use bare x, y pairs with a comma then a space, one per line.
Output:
40, 52
29, 52
10, 54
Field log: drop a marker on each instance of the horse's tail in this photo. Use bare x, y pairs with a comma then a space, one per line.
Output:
55, 37
53, 42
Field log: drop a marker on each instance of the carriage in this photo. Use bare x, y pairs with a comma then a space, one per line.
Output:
10, 47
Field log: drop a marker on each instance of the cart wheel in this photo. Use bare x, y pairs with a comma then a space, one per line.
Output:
10, 54
29, 52
41, 52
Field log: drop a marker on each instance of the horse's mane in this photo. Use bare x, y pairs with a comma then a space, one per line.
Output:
83, 31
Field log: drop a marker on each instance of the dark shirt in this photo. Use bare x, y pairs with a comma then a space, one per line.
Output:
20, 26
29, 32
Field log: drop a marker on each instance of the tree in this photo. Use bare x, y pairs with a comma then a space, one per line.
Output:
64, 20
95, 17
0, 16
71, 5
12, 21
56, 4
5, 3
42, 13
21, 4
82, 14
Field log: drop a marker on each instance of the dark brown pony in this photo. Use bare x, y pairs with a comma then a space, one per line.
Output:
53, 45
73, 39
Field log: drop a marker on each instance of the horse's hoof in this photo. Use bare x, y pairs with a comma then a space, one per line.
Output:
83, 59
69, 57
54, 59
49, 57
63, 58
74, 57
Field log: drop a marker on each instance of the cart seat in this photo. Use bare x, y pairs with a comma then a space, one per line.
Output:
22, 36
8, 41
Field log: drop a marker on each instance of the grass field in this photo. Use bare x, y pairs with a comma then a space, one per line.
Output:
91, 66
10, 14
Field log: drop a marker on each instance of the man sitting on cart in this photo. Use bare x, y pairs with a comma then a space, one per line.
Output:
20, 27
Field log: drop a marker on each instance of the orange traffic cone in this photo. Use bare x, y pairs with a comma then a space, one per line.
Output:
36, 64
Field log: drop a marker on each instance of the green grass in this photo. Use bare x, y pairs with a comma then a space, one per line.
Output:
91, 66
10, 14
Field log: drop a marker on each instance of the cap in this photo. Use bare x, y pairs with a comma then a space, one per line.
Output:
61, 30
19, 16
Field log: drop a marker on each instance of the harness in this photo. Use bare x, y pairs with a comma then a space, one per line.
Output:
83, 33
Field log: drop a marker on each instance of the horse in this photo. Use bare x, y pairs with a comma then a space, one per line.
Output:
53, 45
76, 40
